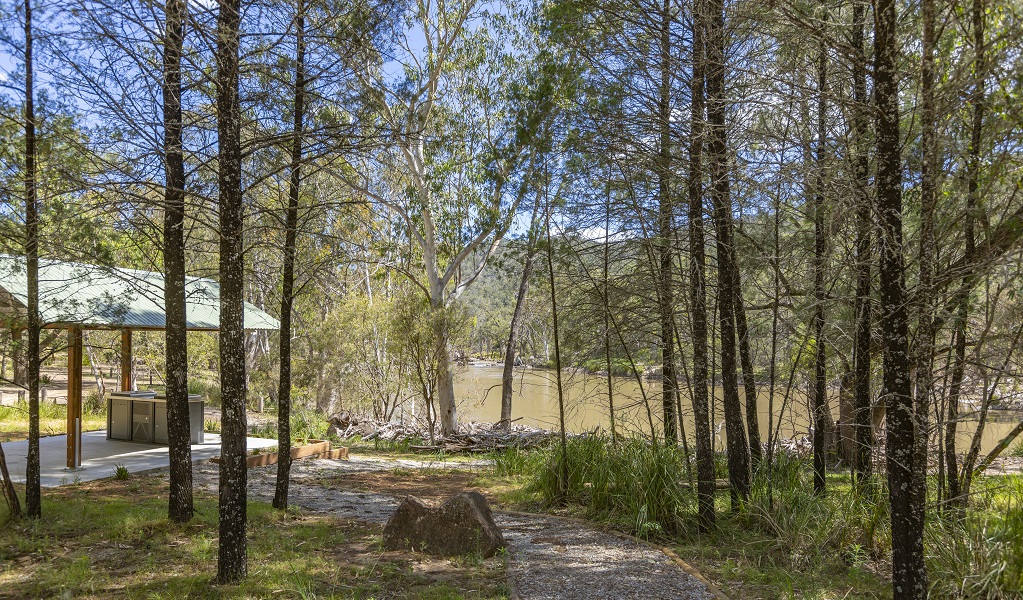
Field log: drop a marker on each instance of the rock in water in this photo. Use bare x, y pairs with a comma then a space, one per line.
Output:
462, 525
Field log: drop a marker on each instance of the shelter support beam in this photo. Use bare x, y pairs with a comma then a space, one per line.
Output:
127, 361
74, 398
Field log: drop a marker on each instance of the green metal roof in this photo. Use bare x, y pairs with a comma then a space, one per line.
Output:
91, 295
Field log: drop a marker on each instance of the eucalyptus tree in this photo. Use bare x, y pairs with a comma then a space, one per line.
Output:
453, 151
820, 404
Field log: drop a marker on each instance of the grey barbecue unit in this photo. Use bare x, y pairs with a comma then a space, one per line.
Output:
142, 417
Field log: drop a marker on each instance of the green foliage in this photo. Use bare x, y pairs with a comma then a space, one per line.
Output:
93, 403
632, 482
305, 424
513, 462
978, 556
121, 472
147, 556
809, 530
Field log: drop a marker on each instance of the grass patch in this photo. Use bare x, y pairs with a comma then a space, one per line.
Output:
52, 420
112, 539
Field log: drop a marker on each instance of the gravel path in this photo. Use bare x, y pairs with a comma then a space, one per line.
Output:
550, 558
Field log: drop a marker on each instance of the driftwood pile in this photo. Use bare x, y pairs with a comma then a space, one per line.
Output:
472, 437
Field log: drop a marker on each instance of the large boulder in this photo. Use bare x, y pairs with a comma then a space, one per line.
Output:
462, 525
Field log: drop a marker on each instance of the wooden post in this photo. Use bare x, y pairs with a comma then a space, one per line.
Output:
127, 361
74, 397
18, 356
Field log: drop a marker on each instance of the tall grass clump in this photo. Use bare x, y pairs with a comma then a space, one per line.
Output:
515, 461
305, 424
633, 482
809, 530
208, 389
979, 554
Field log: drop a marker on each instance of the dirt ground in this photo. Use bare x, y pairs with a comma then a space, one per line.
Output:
435, 487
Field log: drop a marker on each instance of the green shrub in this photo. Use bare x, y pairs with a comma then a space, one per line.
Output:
305, 424
264, 430
211, 426
513, 461
93, 404
632, 482
121, 472
977, 555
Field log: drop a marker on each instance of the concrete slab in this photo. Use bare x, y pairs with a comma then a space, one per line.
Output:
101, 456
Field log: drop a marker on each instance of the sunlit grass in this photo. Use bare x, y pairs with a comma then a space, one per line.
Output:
52, 420
113, 538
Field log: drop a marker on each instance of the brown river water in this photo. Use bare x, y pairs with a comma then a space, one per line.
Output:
535, 403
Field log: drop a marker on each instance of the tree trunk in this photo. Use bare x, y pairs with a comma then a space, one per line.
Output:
606, 309
176, 335
738, 450
231, 563
507, 375
820, 400
9, 493
909, 576
864, 258
33, 493
956, 493
665, 235
18, 357
924, 348
749, 380
445, 376
563, 470
698, 282
280, 500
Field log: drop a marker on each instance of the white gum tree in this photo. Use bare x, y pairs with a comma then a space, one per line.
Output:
452, 153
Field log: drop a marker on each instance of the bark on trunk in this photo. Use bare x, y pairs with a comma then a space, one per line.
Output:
10, 495
607, 310
280, 500
864, 258
231, 563
178, 434
749, 380
33, 493
820, 401
445, 377
909, 576
924, 349
738, 450
956, 492
665, 235
563, 470
697, 278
